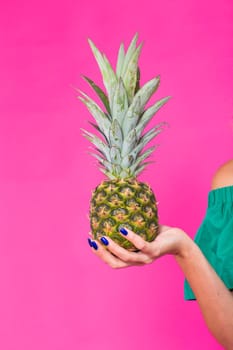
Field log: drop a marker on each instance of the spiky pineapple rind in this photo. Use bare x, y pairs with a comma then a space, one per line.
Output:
125, 202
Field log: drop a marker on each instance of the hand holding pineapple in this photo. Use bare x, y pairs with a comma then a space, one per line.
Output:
170, 240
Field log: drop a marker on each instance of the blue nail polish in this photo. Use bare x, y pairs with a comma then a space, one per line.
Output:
123, 231
94, 245
89, 242
104, 241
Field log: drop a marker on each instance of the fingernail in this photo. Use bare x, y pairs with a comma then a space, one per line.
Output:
104, 241
123, 231
94, 245
89, 242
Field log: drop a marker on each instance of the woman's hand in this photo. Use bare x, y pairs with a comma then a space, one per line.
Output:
170, 240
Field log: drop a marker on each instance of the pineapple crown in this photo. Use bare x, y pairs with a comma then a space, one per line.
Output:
120, 149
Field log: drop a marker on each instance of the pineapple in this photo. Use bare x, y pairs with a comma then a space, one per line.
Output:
120, 147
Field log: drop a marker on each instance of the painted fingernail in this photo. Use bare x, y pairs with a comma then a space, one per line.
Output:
123, 231
89, 242
104, 241
94, 245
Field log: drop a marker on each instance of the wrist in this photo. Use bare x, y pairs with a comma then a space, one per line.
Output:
185, 247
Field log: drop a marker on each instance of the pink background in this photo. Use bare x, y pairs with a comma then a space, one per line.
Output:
55, 294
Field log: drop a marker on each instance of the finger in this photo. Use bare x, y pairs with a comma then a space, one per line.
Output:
106, 256
137, 241
129, 257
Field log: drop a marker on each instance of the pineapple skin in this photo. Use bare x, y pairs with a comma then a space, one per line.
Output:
124, 203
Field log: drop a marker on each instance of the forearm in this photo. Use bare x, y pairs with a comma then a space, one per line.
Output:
214, 299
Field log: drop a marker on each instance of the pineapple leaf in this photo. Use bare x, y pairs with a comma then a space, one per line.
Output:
99, 92
148, 136
100, 117
129, 53
141, 168
115, 155
98, 129
130, 158
159, 127
120, 102
116, 170
131, 74
115, 134
144, 140
141, 158
101, 146
108, 74
149, 113
138, 104
125, 172
109, 174
131, 117
120, 60
128, 161
138, 81
112, 78
129, 143
102, 161
100, 152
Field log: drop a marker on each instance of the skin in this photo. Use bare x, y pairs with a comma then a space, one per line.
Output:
214, 299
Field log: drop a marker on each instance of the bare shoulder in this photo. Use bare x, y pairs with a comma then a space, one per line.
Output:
223, 176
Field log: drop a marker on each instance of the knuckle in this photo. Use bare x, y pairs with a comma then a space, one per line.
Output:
134, 259
126, 258
141, 244
146, 259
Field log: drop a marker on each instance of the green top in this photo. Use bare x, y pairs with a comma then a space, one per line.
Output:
215, 236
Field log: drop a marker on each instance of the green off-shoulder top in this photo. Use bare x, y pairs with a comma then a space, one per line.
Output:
215, 237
